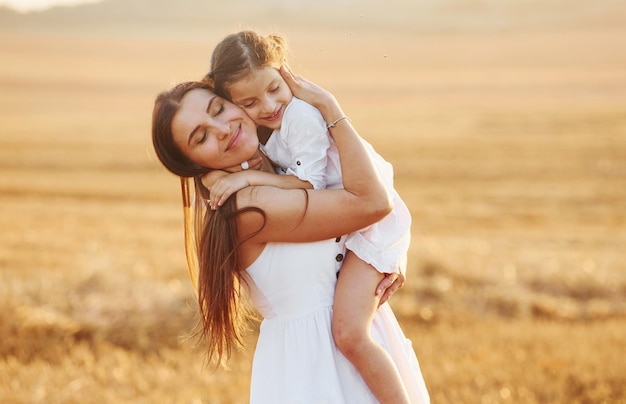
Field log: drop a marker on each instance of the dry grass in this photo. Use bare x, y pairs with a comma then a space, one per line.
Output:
509, 149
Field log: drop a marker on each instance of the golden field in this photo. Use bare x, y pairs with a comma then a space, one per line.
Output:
509, 147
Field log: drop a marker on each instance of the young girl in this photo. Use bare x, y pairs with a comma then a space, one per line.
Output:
245, 69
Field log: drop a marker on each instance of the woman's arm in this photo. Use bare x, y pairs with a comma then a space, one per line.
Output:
300, 216
358, 173
304, 215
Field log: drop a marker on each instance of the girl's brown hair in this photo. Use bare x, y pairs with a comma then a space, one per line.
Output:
238, 54
211, 239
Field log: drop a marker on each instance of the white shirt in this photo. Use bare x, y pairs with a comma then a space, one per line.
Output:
302, 147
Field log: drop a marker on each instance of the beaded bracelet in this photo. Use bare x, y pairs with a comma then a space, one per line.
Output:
336, 121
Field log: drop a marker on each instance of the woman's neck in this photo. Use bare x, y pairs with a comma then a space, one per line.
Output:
267, 166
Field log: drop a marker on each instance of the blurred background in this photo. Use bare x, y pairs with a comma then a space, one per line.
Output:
505, 121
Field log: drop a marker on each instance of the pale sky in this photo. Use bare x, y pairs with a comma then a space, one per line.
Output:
31, 5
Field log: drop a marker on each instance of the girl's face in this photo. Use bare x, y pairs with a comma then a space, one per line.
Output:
213, 132
264, 95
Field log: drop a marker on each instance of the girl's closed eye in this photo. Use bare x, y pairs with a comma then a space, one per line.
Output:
273, 90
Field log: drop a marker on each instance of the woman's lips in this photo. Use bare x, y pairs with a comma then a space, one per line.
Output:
235, 139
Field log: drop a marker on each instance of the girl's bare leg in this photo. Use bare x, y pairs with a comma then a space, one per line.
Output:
353, 311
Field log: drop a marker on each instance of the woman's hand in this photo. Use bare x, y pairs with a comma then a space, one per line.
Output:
389, 284
312, 94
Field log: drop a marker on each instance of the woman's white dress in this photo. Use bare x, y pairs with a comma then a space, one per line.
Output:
296, 360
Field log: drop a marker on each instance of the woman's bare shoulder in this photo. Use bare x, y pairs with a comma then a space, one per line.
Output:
282, 208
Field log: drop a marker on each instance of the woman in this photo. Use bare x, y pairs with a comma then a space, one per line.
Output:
280, 245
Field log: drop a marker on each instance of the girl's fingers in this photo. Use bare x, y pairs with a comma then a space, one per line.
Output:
255, 163
386, 283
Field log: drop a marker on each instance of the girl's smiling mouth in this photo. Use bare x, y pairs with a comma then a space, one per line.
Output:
275, 115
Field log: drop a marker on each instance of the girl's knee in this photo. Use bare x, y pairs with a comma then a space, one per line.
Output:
348, 337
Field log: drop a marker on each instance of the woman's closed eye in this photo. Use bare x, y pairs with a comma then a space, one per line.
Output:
218, 110
202, 137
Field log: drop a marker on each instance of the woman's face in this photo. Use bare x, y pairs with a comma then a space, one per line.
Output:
213, 132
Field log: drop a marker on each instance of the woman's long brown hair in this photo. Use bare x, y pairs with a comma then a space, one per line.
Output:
211, 240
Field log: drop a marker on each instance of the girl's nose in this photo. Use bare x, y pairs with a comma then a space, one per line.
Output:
267, 106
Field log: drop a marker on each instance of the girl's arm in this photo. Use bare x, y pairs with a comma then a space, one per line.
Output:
299, 215
226, 185
304, 134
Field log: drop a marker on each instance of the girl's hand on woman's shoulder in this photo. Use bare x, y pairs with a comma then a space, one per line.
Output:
209, 178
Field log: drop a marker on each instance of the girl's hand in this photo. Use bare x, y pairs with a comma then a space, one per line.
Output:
223, 187
255, 163
389, 285
209, 178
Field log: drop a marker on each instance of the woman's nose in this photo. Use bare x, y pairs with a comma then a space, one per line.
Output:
221, 130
